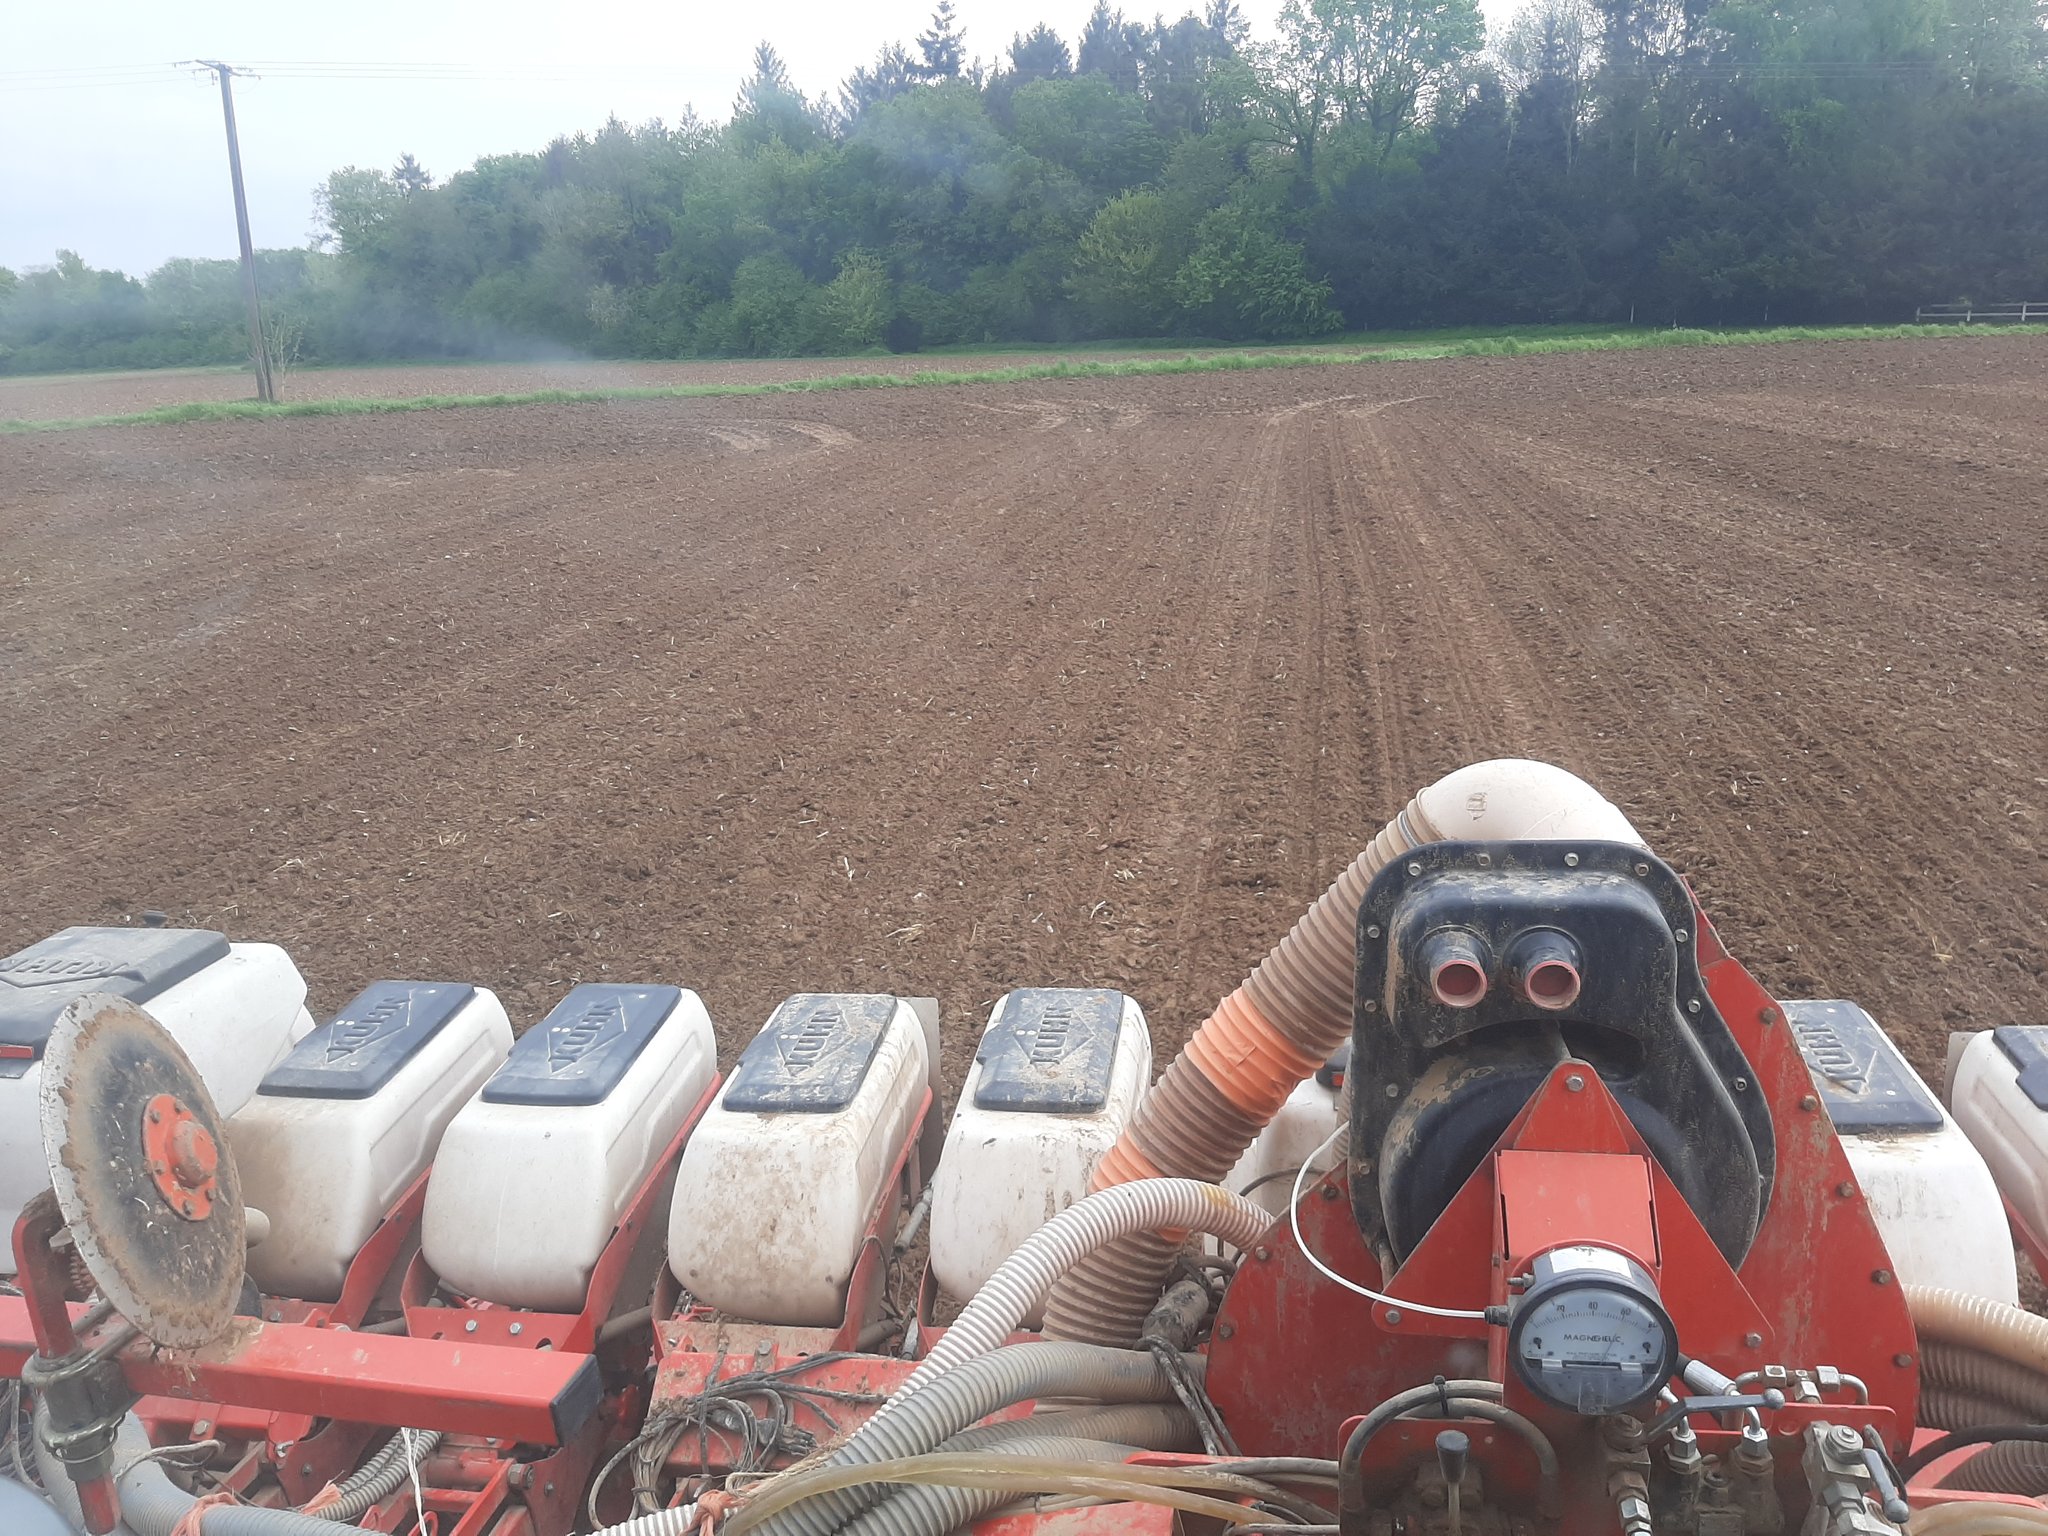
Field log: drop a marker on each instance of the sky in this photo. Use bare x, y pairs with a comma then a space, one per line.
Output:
108, 151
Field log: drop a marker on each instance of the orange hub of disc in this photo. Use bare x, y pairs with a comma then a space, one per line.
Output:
181, 1155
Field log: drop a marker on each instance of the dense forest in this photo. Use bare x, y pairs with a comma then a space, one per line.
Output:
1375, 164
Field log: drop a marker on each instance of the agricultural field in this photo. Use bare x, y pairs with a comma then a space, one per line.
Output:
1073, 681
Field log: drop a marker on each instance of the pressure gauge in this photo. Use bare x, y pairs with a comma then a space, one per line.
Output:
1589, 1333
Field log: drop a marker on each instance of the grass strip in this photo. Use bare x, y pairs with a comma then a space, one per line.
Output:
1223, 362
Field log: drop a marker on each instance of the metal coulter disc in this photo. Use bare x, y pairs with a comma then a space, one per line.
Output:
161, 1236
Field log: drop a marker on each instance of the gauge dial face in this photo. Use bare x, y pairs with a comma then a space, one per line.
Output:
1592, 1347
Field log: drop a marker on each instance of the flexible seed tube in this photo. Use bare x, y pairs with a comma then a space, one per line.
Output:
1186, 1488
376, 1480
946, 1405
1089, 1226
1976, 1322
1146, 1426
1283, 1022
152, 1505
1951, 1368
1008, 1475
934, 1509
2017, 1466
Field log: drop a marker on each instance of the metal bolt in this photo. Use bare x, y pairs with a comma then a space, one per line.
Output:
156, 1116
1372, 930
1571, 861
1226, 1330
1845, 1189
517, 1329
202, 1427
305, 1469
1485, 861
1692, 1005
1809, 1103
547, 1488
470, 1326
1370, 1006
1881, 1276
1574, 1084
1393, 1315
1768, 1015
1752, 1341
1329, 1191
1740, 1085
1393, 1090
1845, 1441
1414, 869
1642, 869
1680, 934
1262, 1253
277, 1317
1903, 1361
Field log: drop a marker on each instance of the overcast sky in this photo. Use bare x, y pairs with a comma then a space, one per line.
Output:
128, 167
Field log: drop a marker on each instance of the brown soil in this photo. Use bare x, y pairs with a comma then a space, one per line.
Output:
1097, 681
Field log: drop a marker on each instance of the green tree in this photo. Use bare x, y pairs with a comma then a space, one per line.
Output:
942, 49
1376, 61
1244, 281
856, 307
1124, 266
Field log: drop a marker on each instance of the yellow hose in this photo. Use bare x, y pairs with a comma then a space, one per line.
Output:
1979, 1517
1976, 1322
1170, 1486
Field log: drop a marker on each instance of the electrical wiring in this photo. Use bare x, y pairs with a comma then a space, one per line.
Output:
1294, 1220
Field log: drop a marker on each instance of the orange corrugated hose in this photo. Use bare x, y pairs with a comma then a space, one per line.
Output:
1283, 1021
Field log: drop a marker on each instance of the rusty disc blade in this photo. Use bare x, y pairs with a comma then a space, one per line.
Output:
175, 1273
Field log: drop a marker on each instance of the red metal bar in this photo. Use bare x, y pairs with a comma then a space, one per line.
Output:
536, 1397
373, 1261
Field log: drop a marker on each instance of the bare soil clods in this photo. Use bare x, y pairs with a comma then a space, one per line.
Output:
1092, 681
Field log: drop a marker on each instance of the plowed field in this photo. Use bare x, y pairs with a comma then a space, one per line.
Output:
952, 690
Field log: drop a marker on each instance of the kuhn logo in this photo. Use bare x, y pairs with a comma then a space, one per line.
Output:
1049, 1040
570, 1045
1828, 1054
377, 1023
56, 967
805, 1046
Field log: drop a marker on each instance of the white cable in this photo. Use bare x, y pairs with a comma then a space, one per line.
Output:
419, 1496
1294, 1220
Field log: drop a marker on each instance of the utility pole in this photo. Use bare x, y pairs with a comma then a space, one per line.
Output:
259, 353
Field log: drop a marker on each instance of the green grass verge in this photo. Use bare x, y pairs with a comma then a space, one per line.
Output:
1224, 362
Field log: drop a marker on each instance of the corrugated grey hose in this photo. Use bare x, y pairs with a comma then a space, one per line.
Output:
932, 1509
152, 1505
379, 1477
966, 1394
1147, 1426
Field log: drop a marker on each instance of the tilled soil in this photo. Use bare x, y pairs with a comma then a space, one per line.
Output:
948, 691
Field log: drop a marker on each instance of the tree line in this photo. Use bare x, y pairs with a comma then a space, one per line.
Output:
1375, 164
